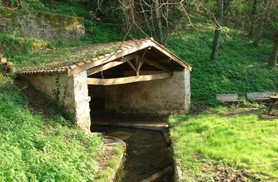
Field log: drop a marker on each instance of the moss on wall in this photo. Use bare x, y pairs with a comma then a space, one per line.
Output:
41, 26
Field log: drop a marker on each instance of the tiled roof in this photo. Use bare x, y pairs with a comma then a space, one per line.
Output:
75, 59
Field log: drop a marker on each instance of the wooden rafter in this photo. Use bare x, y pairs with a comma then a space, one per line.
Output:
111, 64
140, 61
125, 80
155, 64
131, 65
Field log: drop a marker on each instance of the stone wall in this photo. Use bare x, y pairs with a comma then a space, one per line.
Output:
165, 96
41, 26
71, 92
152, 97
81, 100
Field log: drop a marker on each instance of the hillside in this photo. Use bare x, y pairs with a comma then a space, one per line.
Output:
240, 68
39, 142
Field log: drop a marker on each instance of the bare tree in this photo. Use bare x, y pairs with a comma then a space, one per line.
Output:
158, 20
217, 32
153, 17
273, 58
253, 17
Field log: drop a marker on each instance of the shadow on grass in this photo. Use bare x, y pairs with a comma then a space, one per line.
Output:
261, 113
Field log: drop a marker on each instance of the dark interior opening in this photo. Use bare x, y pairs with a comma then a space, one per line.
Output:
97, 104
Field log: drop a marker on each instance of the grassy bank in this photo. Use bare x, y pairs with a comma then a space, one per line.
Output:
240, 68
215, 147
44, 148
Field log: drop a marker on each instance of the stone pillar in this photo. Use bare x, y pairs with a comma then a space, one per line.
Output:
81, 101
187, 92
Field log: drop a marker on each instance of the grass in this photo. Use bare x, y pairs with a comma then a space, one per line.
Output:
240, 67
12, 45
205, 142
33, 148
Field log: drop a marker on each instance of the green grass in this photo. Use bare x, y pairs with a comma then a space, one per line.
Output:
241, 142
37, 149
240, 67
11, 45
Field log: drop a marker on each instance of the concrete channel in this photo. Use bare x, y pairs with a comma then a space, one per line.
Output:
148, 155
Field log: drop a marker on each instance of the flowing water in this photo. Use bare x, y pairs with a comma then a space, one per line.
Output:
148, 155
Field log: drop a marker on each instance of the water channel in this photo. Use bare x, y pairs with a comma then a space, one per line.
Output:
148, 157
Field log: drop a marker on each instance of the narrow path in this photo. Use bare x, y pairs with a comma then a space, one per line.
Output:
148, 156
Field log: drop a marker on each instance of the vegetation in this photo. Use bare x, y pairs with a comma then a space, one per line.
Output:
12, 45
45, 149
214, 146
240, 67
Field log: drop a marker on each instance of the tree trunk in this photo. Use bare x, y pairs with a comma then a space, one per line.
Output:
217, 32
226, 5
274, 55
262, 19
159, 32
129, 14
253, 17
258, 35
215, 45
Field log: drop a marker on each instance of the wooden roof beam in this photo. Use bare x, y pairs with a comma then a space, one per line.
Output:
155, 64
170, 55
125, 80
131, 65
111, 64
140, 61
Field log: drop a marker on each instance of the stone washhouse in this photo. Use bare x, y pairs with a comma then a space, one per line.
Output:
136, 76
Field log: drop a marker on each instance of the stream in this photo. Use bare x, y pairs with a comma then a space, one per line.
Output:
148, 156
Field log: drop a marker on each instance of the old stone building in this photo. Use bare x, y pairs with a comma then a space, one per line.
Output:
137, 76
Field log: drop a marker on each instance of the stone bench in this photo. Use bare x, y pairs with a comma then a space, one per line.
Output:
258, 96
227, 98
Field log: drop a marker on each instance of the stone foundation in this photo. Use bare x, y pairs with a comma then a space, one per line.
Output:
164, 96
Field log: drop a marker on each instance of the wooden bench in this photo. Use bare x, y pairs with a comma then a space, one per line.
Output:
227, 98
258, 96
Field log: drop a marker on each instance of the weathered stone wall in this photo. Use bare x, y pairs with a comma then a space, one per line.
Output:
153, 97
81, 100
41, 26
71, 92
